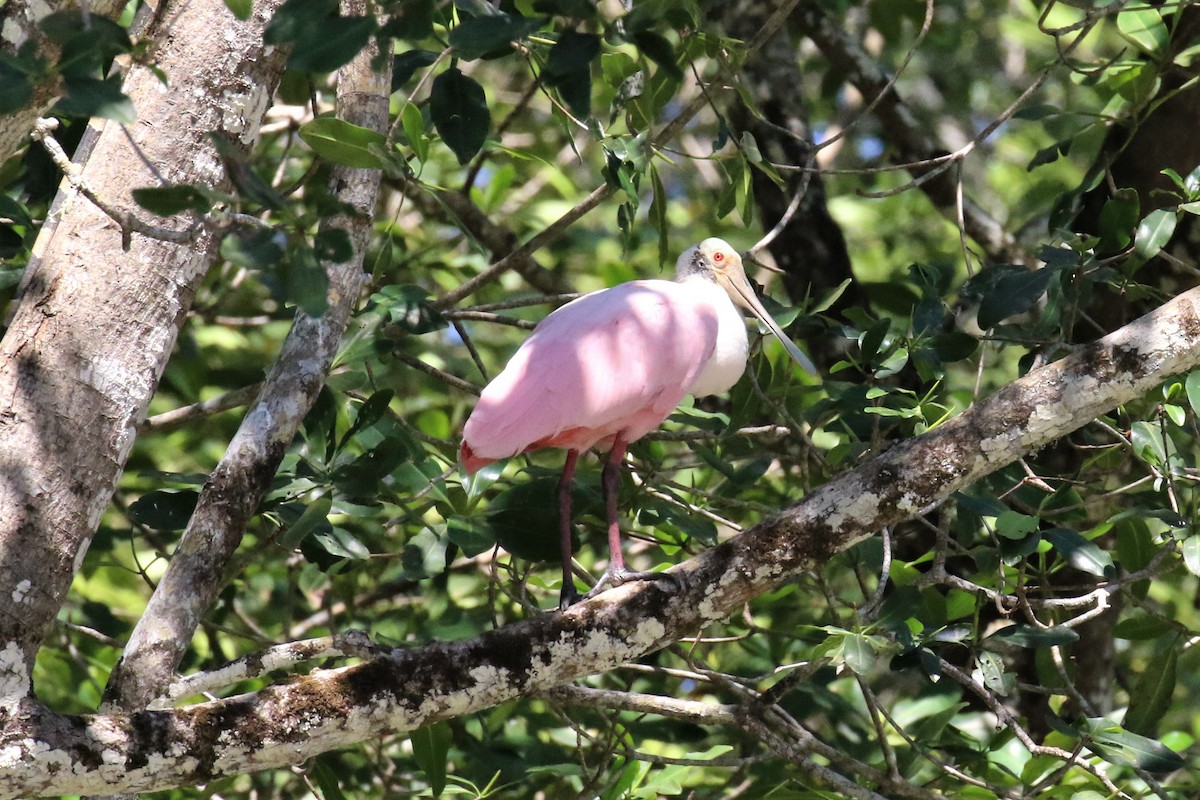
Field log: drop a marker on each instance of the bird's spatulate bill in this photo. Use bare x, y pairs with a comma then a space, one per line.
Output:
735, 282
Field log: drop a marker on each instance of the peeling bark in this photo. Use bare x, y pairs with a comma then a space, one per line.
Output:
287, 724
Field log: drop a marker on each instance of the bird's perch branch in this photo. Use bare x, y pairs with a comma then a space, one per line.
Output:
287, 724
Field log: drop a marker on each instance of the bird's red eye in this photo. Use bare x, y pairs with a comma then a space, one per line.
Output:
718, 256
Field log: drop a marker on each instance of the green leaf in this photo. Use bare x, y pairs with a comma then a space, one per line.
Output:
314, 514
658, 215
1144, 28
1079, 552
1142, 628
333, 245
1013, 293
260, 249
1150, 697
305, 281
1014, 525
1190, 547
1117, 221
165, 509
343, 142
656, 48
166, 201
408, 307
458, 108
412, 20
1135, 544
573, 53
1153, 232
1029, 636
327, 779
242, 9
331, 43
1192, 385
91, 97
406, 64
16, 89
491, 35
431, 745
413, 122
369, 413
1118, 746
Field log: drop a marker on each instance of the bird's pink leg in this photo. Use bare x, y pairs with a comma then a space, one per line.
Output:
612, 491
568, 595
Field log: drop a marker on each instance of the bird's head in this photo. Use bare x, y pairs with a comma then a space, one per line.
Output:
715, 260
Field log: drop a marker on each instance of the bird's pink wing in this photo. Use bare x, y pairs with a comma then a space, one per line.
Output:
617, 360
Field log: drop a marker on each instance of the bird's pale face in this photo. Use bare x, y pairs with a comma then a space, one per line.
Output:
723, 263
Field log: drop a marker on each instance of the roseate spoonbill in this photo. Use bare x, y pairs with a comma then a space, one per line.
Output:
608, 368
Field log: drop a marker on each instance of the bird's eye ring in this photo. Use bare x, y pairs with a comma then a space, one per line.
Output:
718, 256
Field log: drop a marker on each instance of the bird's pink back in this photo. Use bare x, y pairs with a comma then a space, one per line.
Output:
616, 360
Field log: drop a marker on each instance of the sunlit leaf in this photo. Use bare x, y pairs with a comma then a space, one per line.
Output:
343, 142
1079, 552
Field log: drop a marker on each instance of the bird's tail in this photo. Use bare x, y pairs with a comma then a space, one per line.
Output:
471, 462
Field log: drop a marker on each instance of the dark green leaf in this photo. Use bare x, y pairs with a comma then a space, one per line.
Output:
16, 89
1118, 746
1013, 293
314, 515
490, 35
406, 64
1150, 697
242, 9
13, 212
1142, 628
1135, 544
573, 53
167, 201
472, 536
343, 142
337, 542
260, 248
1014, 525
1029, 636
574, 9
333, 244
91, 97
331, 44
369, 413
164, 510
408, 307
431, 745
411, 19
295, 17
362, 476
305, 281
458, 108
575, 89
325, 775
1079, 552
1117, 221
656, 48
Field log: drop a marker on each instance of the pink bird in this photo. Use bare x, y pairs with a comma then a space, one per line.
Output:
608, 368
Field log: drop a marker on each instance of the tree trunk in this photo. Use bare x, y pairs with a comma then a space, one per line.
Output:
98, 320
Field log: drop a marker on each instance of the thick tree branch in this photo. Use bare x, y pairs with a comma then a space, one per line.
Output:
232, 493
289, 723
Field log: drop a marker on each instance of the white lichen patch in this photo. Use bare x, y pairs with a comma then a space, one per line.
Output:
14, 674
864, 507
21, 591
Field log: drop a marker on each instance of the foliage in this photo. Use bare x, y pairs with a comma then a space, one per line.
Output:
964, 673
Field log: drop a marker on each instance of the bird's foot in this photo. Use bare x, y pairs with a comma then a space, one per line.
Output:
569, 596
618, 577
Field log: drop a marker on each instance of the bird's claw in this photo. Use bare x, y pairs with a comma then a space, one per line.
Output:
619, 577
